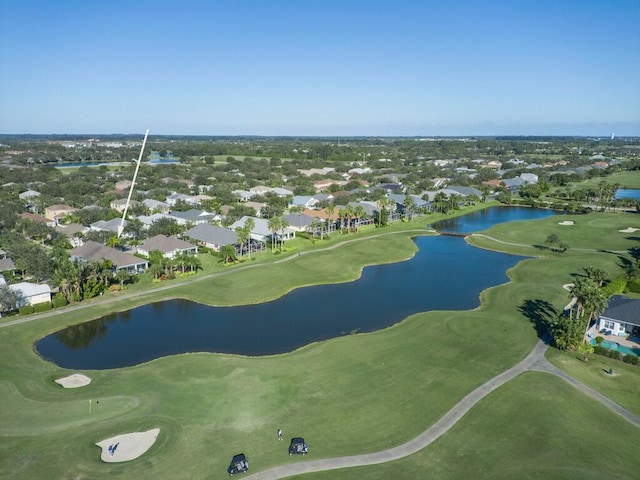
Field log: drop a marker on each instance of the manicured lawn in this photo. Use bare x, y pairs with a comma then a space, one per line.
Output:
354, 394
534, 427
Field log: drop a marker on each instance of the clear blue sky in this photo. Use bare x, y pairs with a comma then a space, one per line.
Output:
325, 67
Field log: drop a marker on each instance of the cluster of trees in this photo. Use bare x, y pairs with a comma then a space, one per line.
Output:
164, 268
569, 330
80, 281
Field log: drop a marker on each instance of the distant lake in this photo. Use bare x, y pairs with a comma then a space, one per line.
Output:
628, 193
445, 274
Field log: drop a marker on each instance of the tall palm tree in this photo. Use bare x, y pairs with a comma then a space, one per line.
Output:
409, 206
596, 274
227, 254
249, 224
359, 213
273, 225
243, 236
349, 214
282, 228
330, 210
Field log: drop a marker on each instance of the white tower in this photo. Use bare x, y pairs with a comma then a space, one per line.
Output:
133, 183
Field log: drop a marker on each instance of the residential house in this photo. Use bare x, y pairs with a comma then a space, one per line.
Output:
175, 197
32, 293
621, 317
393, 187
259, 190
299, 221
73, 232
97, 252
38, 218
156, 206
6, 264
123, 185
465, 191
242, 195
305, 201
529, 177
282, 192
170, 247
148, 220
420, 205
193, 217
55, 212
257, 206
121, 203
212, 236
316, 171
29, 194
320, 185
322, 197
261, 230
108, 225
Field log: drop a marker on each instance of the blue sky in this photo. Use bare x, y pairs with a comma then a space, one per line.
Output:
233, 67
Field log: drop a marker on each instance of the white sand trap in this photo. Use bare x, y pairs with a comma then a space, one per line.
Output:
567, 222
629, 230
74, 381
128, 446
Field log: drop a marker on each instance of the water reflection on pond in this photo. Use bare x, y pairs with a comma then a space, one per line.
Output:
445, 274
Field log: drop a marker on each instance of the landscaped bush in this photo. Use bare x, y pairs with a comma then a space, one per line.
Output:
42, 307
633, 285
58, 301
26, 310
599, 340
631, 358
599, 350
615, 287
614, 354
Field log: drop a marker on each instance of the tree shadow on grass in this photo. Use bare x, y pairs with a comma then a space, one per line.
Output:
540, 313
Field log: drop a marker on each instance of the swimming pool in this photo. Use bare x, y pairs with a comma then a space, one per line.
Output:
616, 346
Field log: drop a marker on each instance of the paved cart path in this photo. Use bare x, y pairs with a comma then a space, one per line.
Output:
535, 361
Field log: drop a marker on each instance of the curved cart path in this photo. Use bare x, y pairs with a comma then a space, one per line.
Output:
535, 361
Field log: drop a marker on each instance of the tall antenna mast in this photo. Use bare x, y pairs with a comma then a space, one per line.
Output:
133, 183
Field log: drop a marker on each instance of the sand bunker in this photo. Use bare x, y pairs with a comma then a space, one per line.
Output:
74, 381
129, 446
567, 222
629, 230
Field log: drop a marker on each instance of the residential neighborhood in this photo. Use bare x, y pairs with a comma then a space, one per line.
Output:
235, 207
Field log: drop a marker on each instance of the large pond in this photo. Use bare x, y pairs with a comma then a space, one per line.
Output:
445, 274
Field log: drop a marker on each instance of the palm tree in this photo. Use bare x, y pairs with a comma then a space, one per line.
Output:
182, 259
409, 206
349, 214
113, 242
330, 210
359, 213
249, 224
273, 225
341, 217
283, 227
596, 274
122, 276
440, 202
590, 300
243, 235
227, 254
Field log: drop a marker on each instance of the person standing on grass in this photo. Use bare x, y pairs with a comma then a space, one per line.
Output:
279, 434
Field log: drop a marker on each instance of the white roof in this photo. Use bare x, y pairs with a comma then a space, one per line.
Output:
31, 289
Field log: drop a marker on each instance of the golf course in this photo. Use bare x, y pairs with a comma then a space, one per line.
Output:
353, 395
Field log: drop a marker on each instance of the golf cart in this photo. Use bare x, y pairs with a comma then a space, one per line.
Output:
298, 447
239, 464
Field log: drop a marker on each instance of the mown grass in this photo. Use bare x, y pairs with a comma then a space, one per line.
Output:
354, 394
